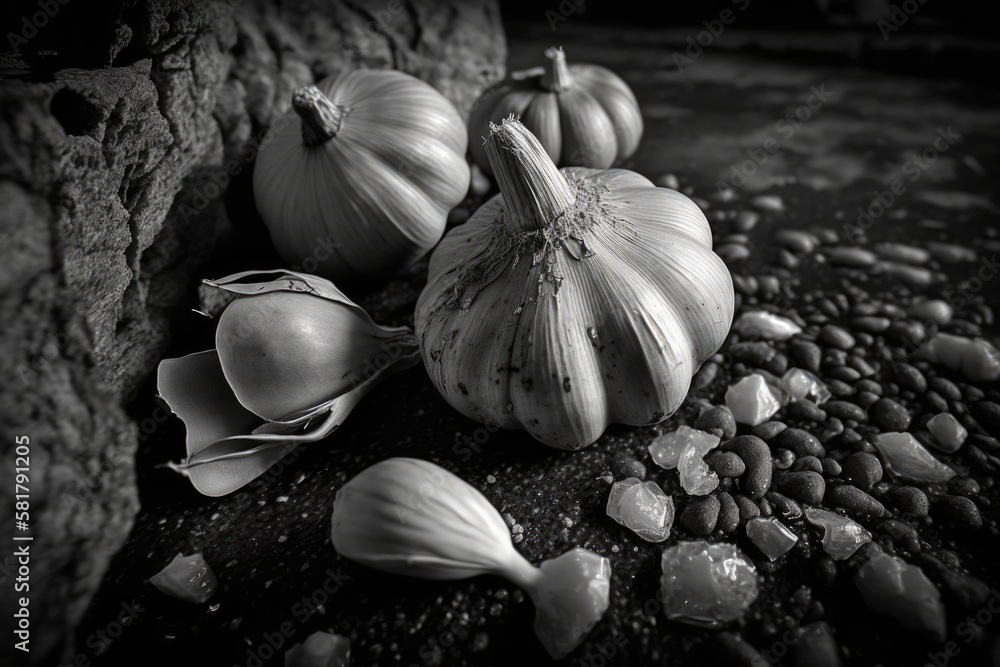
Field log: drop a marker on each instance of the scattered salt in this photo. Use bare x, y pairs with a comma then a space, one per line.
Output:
841, 536
751, 400
907, 459
706, 584
642, 507
948, 433
772, 537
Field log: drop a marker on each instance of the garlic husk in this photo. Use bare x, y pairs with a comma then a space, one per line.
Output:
227, 444
371, 194
600, 313
412, 517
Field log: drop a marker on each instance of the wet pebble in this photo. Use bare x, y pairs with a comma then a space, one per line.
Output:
746, 220
805, 353
626, 466
945, 387
931, 309
889, 415
768, 430
756, 456
845, 374
831, 468
806, 410
796, 240
869, 385
836, 337
805, 486
854, 500
850, 256
748, 509
862, 470
729, 514
718, 420
902, 534
807, 463
801, 442
910, 501
784, 507
783, 459
726, 464
909, 376
960, 511
700, 515
845, 410
871, 324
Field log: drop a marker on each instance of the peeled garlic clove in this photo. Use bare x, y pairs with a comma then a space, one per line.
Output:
187, 578
408, 516
291, 348
313, 382
412, 517
320, 649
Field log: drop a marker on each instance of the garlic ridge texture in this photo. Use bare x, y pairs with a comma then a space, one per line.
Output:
574, 299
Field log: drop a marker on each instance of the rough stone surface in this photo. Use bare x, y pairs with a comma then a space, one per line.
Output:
128, 126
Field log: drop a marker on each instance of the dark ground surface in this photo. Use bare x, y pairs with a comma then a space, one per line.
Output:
269, 542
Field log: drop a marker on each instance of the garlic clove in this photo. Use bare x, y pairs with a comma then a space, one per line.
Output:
411, 517
296, 342
587, 130
617, 101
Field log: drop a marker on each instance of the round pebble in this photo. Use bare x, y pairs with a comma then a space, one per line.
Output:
902, 534
806, 410
726, 464
871, 324
909, 377
889, 415
961, 511
945, 387
718, 420
805, 353
987, 413
862, 470
801, 442
805, 486
748, 509
911, 501
854, 500
626, 466
768, 430
700, 515
869, 385
783, 459
831, 468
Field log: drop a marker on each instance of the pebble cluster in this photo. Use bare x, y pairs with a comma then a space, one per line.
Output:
849, 443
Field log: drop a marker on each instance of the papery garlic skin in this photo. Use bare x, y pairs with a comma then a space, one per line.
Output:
371, 194
574, 299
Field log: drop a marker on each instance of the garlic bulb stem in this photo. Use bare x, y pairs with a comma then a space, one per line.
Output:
556, 77
321, 118
534, 191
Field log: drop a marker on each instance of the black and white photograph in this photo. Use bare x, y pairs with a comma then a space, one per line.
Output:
488, 333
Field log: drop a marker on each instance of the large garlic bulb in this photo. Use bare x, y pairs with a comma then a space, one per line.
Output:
573, 299
358, 179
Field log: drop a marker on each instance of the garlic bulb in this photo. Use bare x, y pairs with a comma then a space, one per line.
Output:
359, 178
412, 517
584, 115
293, 357
573, 299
